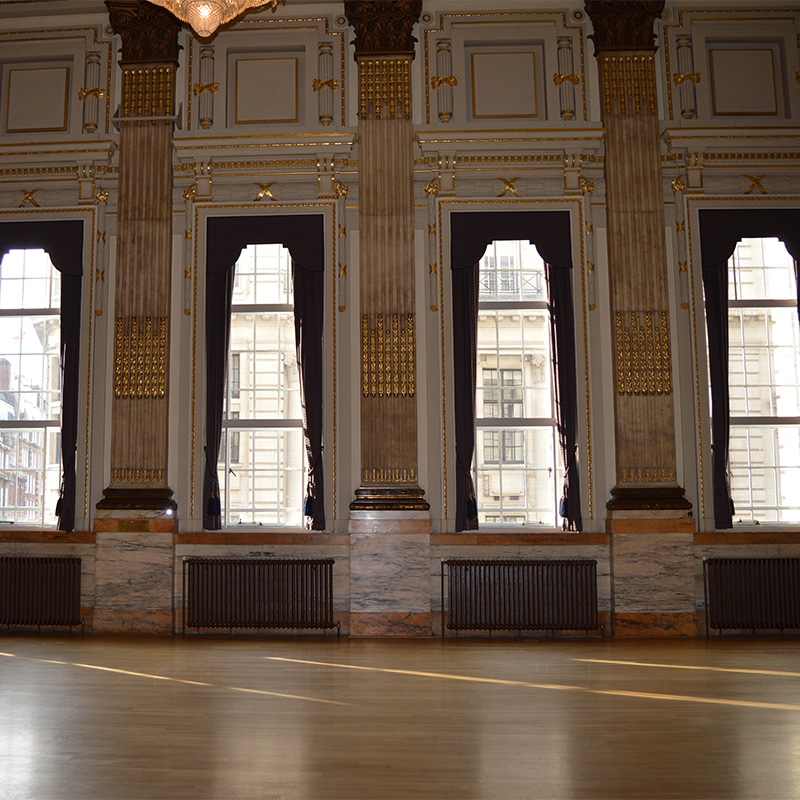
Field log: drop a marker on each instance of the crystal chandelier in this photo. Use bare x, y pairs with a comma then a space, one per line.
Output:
205, 16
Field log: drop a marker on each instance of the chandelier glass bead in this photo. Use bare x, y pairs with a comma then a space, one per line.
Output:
205, 16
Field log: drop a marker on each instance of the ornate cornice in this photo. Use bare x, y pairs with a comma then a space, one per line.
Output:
149, 33
383, 27
623, 24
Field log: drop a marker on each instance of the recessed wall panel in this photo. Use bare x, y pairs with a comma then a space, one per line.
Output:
37, 98
506, 83
745, 80
266, 89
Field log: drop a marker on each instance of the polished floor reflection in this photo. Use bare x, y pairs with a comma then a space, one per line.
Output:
288, 719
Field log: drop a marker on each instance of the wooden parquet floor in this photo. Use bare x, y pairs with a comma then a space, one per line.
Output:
102, 718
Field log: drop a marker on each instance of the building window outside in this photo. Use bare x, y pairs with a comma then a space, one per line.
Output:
517, 471
764, 382
262, 462
30, 388
235, 373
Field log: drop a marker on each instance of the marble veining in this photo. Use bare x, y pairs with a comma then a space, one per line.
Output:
390, 572
134, 570
652, 573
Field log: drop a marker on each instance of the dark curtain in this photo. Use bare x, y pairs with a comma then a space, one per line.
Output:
562, 341
302, 235
471, 233
720, 231
309, 298
465, 368
63, 242
219, 294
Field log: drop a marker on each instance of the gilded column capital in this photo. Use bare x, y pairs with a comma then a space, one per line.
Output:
623, 24
383, 27
149, 33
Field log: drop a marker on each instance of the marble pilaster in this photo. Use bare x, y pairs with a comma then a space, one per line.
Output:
646, 465
389, 458
140, 400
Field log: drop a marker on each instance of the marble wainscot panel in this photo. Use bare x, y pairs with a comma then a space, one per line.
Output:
390, 588
653, 584
133, 591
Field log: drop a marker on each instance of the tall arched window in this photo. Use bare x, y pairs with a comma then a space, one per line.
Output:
764, 382
284, 286
509, 432
737, 295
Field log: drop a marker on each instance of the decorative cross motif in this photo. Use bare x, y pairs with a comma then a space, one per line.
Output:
756, 183
265, 191
509, 187
28, 198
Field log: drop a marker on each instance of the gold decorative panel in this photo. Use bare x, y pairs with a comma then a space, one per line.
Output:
648, 475
630, 82
384, 476
137, 475
643, 354
385, 89
147, 92
387, 347
140, 358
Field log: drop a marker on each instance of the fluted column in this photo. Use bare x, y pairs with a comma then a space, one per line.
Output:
139, 414
384, 51
646, 476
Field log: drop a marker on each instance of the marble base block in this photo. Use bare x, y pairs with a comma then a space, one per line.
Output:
134, 582
390, 588
653, 589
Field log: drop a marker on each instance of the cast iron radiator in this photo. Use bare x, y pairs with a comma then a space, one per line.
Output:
258, 593
752, 593
39, 590
520, 595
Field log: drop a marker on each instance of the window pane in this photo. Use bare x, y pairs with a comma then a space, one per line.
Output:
28, 280
30, 475
518, 475
765, 472
263, 276
263, 483
762, 268
514, 367
512, 271
764, 365
263, 380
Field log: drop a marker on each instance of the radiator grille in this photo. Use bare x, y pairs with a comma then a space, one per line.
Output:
39, 590
752, 593
521, 595
258, 593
